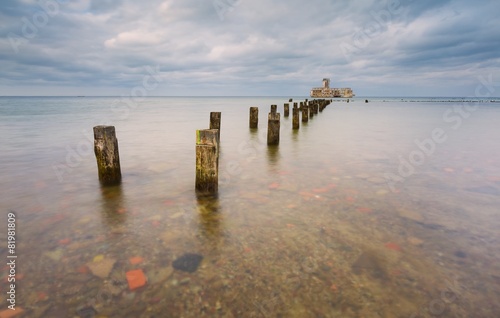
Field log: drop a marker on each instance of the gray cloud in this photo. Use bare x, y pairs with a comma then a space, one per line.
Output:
248, 47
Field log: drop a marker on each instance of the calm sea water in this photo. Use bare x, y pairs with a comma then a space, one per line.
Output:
381, 209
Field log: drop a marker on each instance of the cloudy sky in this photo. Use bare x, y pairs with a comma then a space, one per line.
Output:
248, 47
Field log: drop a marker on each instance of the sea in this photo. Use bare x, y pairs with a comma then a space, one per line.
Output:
375, 207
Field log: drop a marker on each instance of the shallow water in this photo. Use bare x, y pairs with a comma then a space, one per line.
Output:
347, 217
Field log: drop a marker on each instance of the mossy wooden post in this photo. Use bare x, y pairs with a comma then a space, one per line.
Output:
254, 117
322, 104
286, 110
106, 153
207, 161
295, 114
273, 127
305, 113
215, 122
311, 110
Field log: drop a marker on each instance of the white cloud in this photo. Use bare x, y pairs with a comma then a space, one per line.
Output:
134, 39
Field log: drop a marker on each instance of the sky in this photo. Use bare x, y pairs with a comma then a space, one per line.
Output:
248, 47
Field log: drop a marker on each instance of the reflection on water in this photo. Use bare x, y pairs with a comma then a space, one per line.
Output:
210, 219
309, 228
273, 156
114, 209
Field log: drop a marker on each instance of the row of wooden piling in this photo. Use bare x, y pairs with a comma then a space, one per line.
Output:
207, 143
308, 109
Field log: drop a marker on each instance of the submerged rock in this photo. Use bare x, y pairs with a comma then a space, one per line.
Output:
160, 275
369, 263
102, 267
86, 312
411, 215
188, 262
54, 255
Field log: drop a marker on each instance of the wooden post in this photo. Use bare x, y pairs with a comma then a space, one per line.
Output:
305, 113
290, 100
295, 114
322, 104
311, 111
207, 161
273, 127
274, 108
106, 153
286, 110
215, 122
254, 117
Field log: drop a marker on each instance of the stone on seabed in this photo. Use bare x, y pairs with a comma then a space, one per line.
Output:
188, 262
136, 279
101, 268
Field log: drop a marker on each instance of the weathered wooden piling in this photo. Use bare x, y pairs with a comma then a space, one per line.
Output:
273, 127
207, 161
286, 110
106, 153
305, 113
254, 117
290, 100
215, 122
311, 110
274, 108
322, 104
295, 114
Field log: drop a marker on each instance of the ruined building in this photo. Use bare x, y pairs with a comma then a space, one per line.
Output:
327, 92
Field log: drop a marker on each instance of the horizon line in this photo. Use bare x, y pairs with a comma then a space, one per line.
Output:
285, 96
